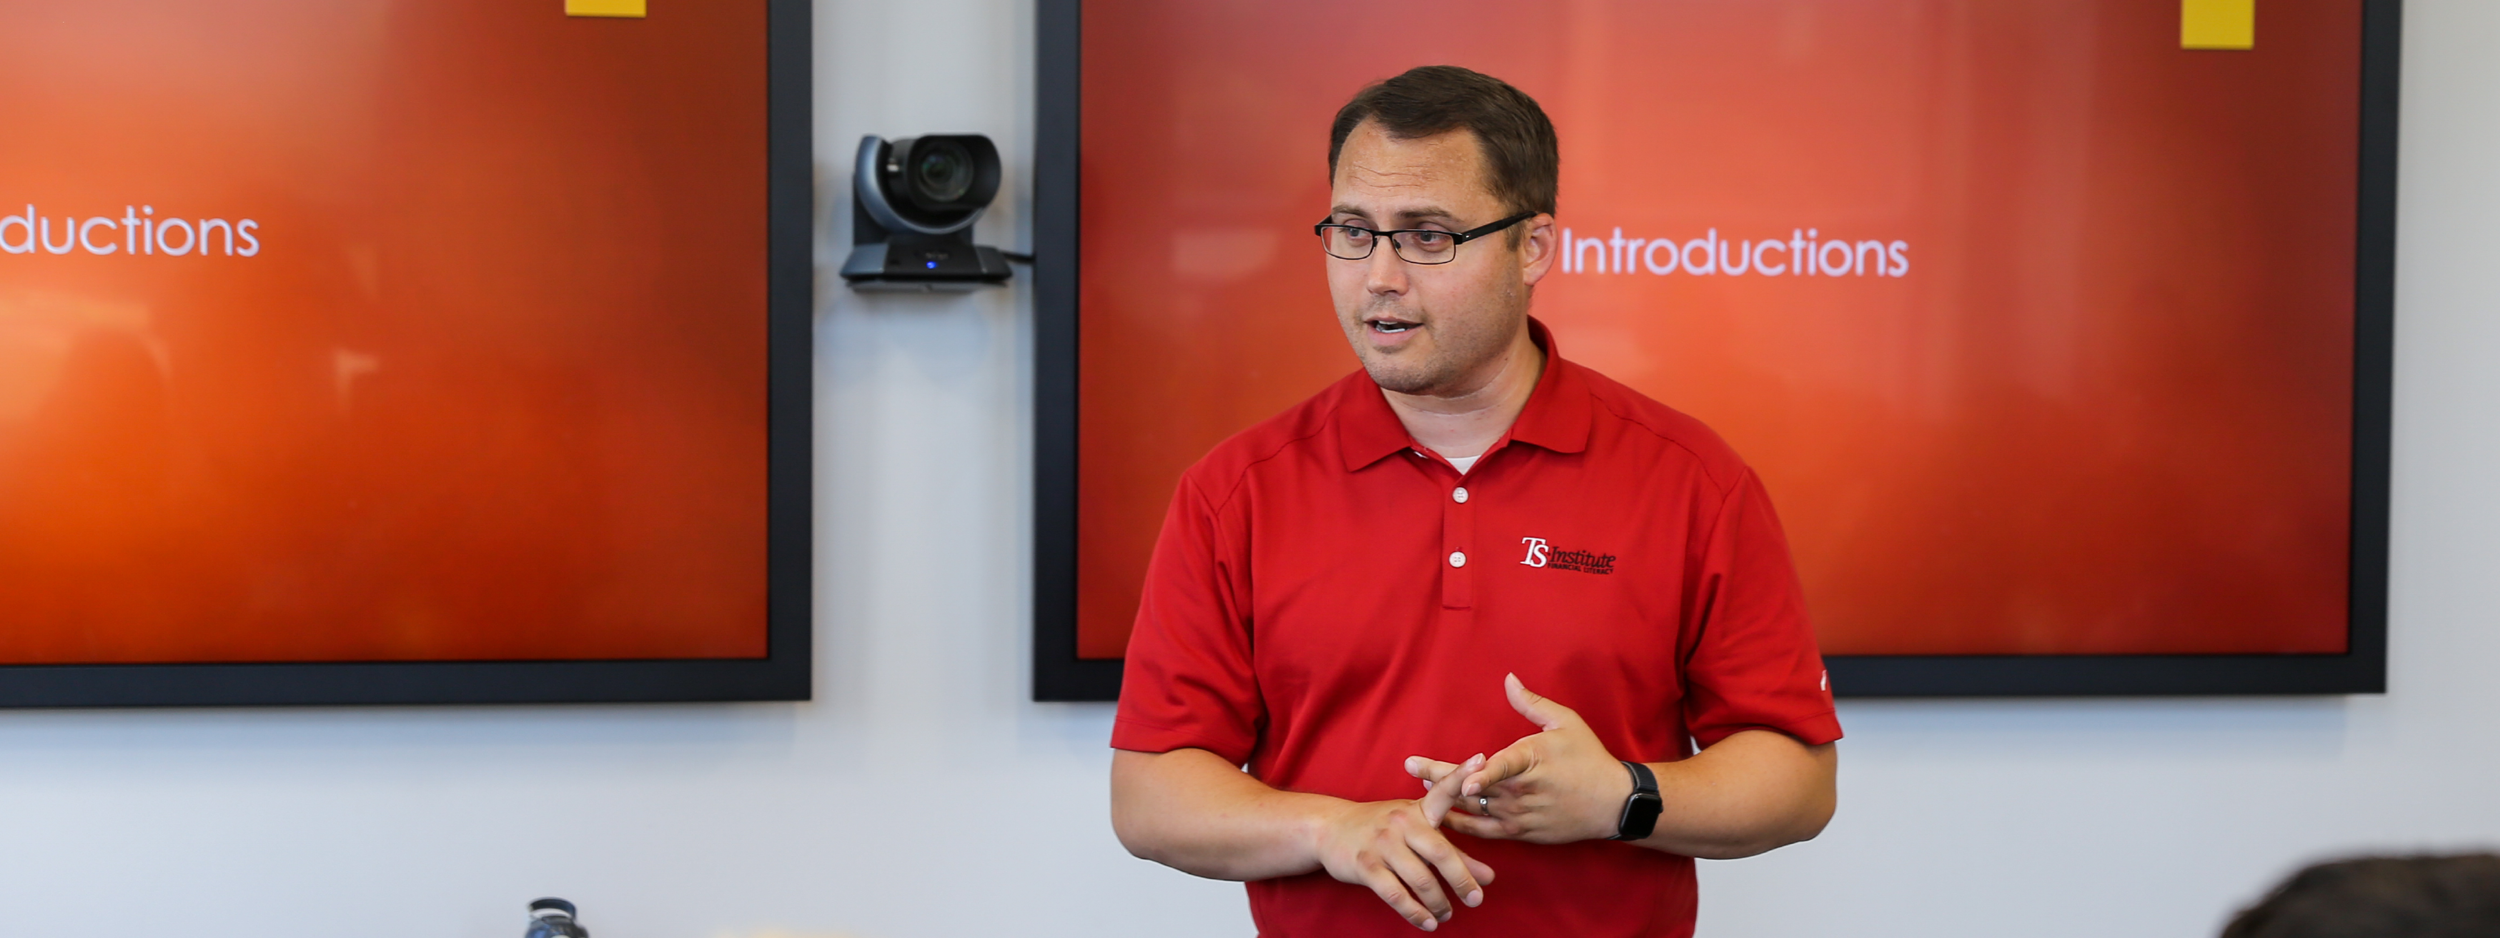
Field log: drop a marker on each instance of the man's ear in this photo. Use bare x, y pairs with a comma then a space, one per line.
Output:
1539, 248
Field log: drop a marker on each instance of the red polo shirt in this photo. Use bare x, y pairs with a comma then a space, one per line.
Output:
1326, 600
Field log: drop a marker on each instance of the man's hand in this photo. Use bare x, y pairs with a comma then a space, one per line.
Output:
1395, 848
1751, 791
1193, 810
1556, 786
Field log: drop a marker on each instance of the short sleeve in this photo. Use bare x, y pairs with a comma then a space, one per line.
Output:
1188, 682
1751, 660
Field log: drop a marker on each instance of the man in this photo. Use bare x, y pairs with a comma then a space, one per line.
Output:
1362, 599
2456, 896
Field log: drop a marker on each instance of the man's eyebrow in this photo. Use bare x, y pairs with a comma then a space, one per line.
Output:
1427, 213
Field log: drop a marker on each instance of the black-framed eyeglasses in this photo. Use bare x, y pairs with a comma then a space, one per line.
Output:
1412, 245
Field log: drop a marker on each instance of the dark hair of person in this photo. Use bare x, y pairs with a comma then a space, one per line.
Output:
1522, 159
2381, 897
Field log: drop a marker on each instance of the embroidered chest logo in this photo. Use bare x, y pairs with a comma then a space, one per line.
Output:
1542, 554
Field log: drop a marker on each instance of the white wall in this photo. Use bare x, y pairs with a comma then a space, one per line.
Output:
918, 795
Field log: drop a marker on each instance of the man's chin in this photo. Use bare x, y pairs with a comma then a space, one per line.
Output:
1391, 377
1407, 368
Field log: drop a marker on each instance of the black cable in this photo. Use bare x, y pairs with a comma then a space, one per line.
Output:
1018, 258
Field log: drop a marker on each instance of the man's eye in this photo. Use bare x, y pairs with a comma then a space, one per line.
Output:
1357, 235
1431, 239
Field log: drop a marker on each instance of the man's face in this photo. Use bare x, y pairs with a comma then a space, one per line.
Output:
1442, 329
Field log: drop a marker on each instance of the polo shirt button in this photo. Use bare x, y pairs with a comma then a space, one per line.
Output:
1458, 559
1459, 494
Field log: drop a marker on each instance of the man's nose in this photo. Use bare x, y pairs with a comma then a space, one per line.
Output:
1387, 273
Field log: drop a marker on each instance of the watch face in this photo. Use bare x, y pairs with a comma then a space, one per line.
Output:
1640, 816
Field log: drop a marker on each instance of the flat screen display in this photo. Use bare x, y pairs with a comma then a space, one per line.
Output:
2039, 324
383, 331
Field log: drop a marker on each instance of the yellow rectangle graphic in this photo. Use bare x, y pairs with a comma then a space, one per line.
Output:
627, 8
2217, 24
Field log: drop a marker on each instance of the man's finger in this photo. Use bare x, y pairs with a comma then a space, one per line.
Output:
1473, 826
1545, 713
1437, 801
1428, 769
1386, 885
1420, 881
1451, 864
1503, 765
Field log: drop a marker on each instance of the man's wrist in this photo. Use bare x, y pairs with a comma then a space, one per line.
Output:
1319, 816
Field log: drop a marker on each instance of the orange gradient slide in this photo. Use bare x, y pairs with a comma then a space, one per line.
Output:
381, 330
2038, 325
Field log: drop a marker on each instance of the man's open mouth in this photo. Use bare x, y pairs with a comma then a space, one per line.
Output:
1390, 326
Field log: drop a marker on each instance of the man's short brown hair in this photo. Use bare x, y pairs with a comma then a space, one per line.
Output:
1522, 159
2381, 897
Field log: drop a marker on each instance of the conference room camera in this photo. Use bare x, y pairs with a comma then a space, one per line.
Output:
914, 202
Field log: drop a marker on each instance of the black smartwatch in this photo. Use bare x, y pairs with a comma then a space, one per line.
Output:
1640, 812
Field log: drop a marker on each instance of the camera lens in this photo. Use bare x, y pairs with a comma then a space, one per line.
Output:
943, 172
931, 185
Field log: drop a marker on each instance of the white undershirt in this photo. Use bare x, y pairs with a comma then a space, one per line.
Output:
1462, 462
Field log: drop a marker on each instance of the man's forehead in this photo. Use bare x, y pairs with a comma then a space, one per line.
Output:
1409, 176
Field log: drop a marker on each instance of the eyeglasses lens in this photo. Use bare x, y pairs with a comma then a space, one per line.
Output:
1414, 247
1352, 244
1426, 247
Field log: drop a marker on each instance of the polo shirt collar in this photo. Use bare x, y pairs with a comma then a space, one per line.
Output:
1559, 410
1556, 418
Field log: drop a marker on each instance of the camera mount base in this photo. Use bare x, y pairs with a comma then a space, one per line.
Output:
924, 265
